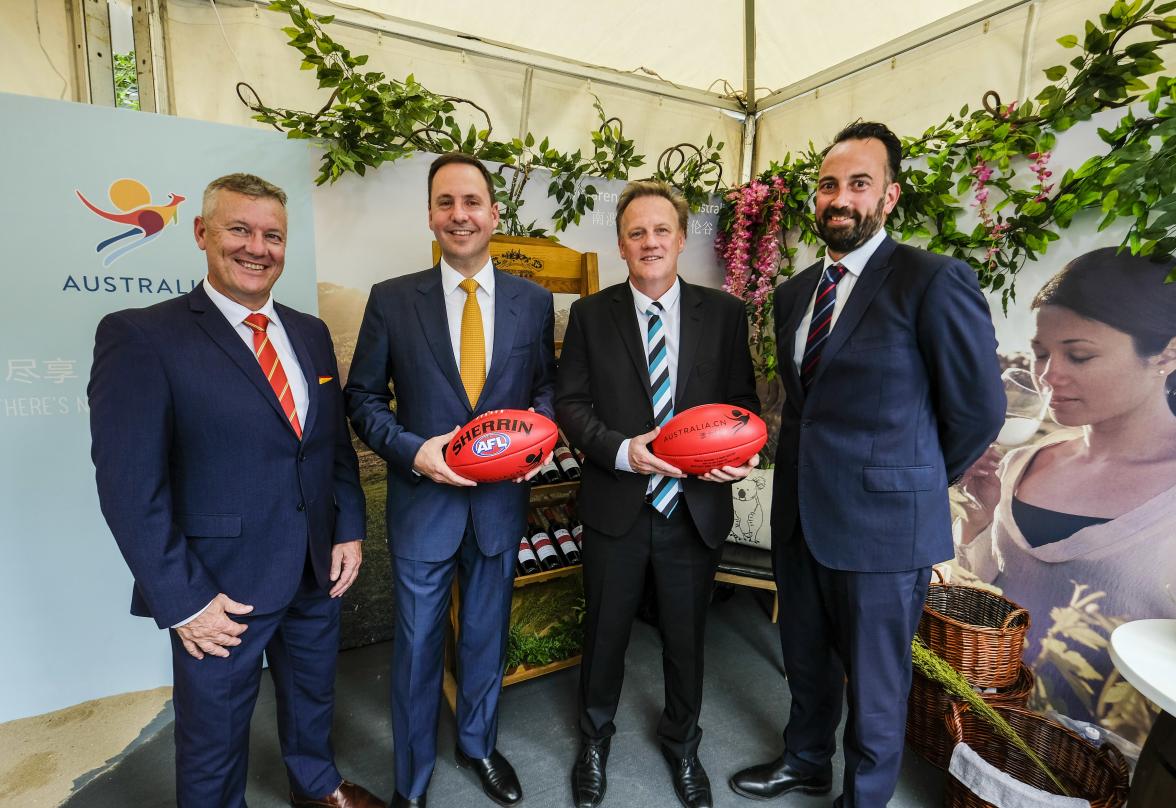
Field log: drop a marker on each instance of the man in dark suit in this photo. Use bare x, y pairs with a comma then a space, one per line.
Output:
634, 354
226, 474
429, 335
889, 363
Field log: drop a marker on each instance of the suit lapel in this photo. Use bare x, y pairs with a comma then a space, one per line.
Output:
506, 323
689, 332
298, 341
625, 317
209, 318
430, 309
876, 271
806, 285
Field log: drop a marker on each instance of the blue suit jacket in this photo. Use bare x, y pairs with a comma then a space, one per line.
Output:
907, 396
204, 484
404, 342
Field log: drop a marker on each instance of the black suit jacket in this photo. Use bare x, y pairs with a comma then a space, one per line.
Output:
602, 397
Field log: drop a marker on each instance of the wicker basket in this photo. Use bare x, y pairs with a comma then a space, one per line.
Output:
1096, 774
928, 703
977, 632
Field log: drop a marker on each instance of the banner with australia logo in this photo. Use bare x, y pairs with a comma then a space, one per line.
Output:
96, 212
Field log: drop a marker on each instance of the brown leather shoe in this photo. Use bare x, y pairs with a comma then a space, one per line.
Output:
347, 795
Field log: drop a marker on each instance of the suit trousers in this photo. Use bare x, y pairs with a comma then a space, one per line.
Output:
422, 598
614, 576
838, 626
214, 699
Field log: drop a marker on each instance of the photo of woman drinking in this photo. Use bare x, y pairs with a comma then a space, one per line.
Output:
1080, 526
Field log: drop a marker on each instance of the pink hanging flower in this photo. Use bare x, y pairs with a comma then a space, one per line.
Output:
1038, 167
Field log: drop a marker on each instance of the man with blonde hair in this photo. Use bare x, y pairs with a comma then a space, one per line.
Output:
657, 345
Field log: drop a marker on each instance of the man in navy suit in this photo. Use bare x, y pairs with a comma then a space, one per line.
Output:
227, 476
889, 363
453, 341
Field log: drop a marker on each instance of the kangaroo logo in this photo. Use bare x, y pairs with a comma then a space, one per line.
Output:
742, 417
132, 202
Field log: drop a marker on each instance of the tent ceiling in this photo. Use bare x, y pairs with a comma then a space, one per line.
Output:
699, 45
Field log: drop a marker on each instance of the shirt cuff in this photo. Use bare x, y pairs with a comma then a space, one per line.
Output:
622, 463
193, 617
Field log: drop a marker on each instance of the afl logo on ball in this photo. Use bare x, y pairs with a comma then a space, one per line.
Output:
492, 444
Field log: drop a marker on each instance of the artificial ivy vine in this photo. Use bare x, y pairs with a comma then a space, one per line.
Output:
370, 119
991, 165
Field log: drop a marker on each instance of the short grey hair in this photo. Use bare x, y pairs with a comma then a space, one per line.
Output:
245, 184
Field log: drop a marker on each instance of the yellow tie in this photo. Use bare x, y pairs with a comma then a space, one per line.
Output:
473, 343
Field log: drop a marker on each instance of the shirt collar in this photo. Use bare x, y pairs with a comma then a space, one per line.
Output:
234, 312
668, 300
451, 278
854, 262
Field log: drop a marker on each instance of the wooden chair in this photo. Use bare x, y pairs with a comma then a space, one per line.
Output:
557, 268
743, 565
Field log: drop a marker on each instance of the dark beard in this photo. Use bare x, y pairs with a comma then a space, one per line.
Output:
843, 241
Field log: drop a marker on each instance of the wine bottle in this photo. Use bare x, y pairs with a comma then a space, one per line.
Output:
549, 472
566, 460
575, 526
575, 449
563, 536
528, 561
541, 541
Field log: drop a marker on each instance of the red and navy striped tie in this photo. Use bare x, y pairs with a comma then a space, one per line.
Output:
664, 490
821, 323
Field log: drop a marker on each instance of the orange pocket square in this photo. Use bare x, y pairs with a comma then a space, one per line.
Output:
325, 379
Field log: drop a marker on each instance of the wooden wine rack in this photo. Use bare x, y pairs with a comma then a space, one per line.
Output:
541, 496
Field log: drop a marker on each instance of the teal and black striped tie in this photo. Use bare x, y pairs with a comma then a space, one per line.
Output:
665, 490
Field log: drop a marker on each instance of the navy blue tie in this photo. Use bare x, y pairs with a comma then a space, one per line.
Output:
821, 323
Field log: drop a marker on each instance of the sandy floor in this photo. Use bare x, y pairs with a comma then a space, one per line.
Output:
42, 757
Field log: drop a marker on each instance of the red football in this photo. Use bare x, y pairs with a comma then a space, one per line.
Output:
710, 436
501, 445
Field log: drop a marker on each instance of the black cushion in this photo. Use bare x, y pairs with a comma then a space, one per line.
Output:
741, 559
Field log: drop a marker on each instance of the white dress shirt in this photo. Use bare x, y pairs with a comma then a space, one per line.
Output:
672, 327
235, 313
854, 262
455, 298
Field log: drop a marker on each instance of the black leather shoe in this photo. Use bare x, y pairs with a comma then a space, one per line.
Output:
770, 780
588, 779
404, 802
499, 780
690, 781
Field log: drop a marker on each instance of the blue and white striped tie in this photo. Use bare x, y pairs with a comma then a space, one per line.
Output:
664, 491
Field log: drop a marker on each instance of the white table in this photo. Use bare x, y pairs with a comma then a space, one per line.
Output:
1144, 651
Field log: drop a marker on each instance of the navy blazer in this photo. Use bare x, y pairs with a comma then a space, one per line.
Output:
906, 397
203, 483
404, 342
603, 397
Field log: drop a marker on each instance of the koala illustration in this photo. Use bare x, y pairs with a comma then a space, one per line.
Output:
749, 514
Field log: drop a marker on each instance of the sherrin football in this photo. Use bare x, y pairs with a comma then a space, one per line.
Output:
501, 445
710, 436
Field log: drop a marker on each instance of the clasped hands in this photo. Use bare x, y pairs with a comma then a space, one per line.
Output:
643, 461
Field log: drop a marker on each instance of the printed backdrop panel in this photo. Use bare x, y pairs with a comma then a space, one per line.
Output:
96, 210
